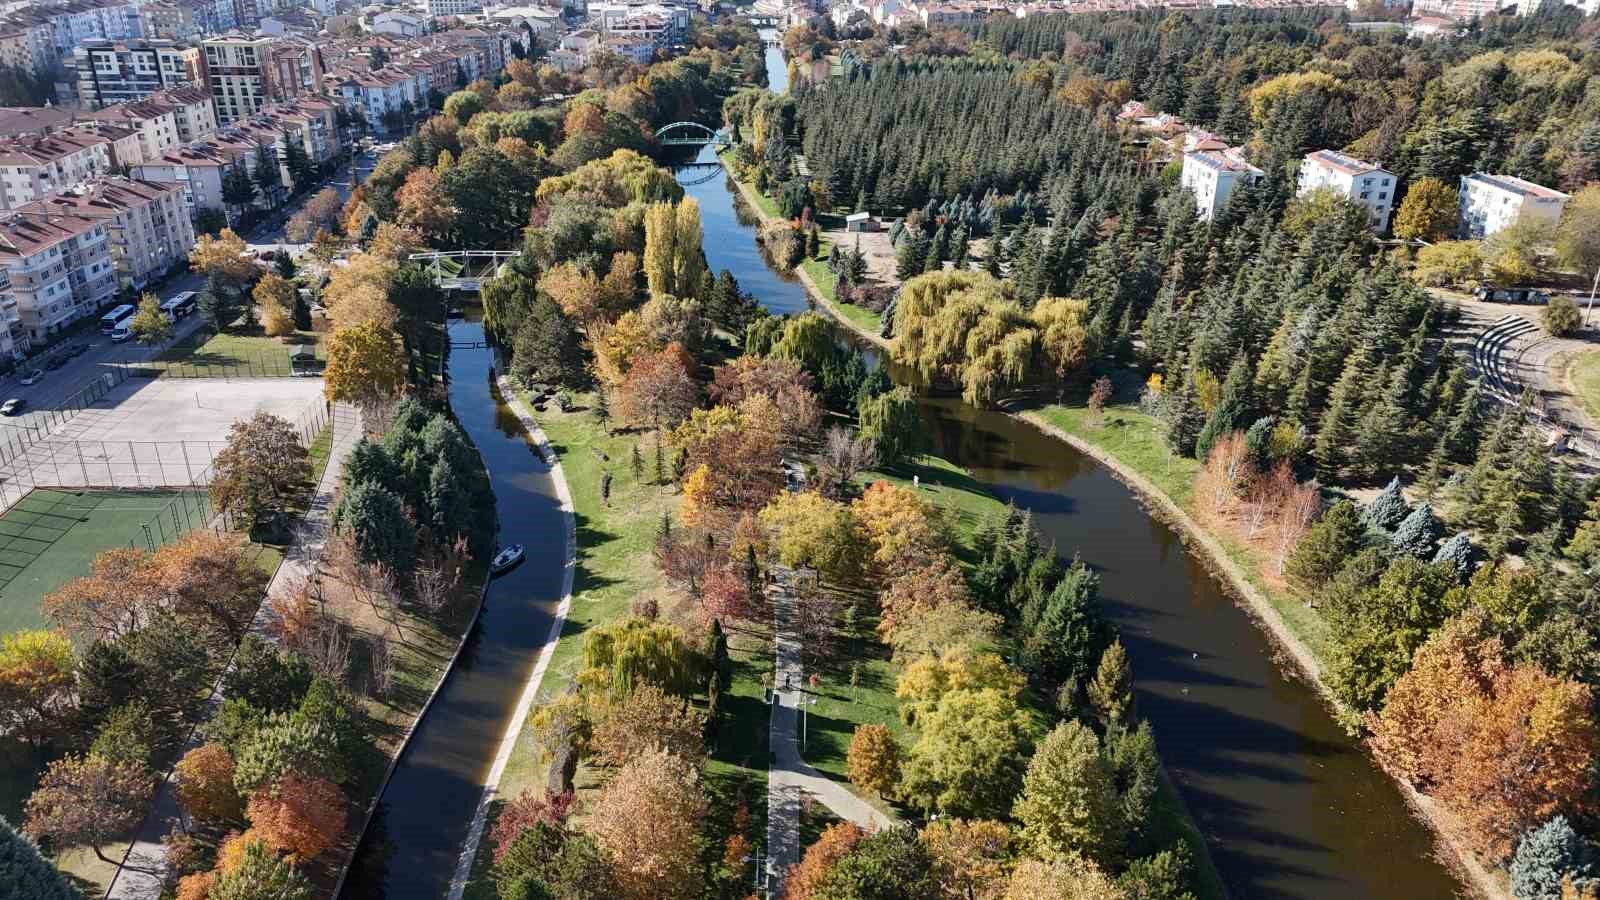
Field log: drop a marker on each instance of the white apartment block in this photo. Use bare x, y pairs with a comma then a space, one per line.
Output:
194, 109
1353, 179
71, 24
388, 90
247, 72
1489, 203
58, 267
36, 166
1213, 175
440, 8
666, 24
153, 122
147, 224
1460, 10
399, 22
112, 72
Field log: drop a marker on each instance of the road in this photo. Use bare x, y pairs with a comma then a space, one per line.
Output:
59, 385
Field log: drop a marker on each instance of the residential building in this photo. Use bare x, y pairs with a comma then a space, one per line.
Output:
384, 96
27, 46
74, 22
15, 120
458, 8
36, 166
155, 123
399, 22
1353, 179
1213, 176
147, 224
1461, 10
115, 72
1489, 203
198, 170
246, 72
659, 21
194, 109
58, 269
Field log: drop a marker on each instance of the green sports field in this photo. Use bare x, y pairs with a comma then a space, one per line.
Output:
51, 537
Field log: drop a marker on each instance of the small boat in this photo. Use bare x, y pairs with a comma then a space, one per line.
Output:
505, 559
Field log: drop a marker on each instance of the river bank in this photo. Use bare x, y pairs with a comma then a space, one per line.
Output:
1294, 652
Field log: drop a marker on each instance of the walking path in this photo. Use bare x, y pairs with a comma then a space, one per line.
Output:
788, 777
143, 866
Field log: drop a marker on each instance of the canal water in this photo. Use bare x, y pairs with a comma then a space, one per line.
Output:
412, 848
1289, 805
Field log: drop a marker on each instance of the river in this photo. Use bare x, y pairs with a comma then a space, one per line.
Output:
412, 848
1290, 806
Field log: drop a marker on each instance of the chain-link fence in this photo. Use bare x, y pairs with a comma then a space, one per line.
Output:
255, 364
73, 464
16, 438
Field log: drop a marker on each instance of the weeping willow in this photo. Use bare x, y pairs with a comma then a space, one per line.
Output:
640, 650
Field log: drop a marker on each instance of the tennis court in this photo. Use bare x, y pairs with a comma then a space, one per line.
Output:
51, 536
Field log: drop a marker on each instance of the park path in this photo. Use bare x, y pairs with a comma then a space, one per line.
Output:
143, 867
788, 776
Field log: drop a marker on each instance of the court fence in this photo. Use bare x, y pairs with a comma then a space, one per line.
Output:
16, 438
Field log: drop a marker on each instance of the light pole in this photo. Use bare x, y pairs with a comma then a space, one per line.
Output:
805, 719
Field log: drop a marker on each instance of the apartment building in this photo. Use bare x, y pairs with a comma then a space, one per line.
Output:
27, 46
72, 23
58, 268
148, 230
1355, 180
154, 123
116, 72
35, 166
193, 108
1489, 203
198, 170
666, 24
1213, 176
247, 72
441, 8
399, 22
384, 93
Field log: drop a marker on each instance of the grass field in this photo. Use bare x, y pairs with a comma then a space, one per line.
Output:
203, 351
1585, 373
50, 537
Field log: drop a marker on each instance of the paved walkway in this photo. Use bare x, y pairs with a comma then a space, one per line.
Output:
789, 778
143, 867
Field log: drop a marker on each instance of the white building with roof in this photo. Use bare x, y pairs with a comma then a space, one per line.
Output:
1354, 179
35, 166
1213, 176
1490, 203
57, 268
147, 224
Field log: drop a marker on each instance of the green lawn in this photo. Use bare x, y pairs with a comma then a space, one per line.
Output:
1585, 373
233, 352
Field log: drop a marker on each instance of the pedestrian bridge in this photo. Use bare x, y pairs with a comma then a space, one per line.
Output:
690, 134
463, 270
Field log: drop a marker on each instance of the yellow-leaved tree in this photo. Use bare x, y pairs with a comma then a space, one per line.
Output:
366, 365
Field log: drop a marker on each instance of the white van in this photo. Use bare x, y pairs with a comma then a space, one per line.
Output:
122, 332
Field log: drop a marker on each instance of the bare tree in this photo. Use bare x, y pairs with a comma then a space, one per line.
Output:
382, 671
842, 457
328, 650
437, 578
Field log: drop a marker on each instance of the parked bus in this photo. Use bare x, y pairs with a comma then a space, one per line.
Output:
110, 321
179, 306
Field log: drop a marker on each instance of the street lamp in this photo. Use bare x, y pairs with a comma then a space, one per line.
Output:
805, 720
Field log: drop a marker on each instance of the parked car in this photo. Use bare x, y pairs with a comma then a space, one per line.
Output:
57, 361
33, 377
11, 407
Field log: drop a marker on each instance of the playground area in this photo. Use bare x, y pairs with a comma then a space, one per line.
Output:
51, 537
153, 433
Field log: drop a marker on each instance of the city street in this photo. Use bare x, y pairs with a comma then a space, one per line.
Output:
60, 384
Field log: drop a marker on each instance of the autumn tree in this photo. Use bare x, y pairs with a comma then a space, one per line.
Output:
36, 682
205, 784
639, 651
968, 756
1111, 690
423, 204
225, 256
970, 856
835, 842
150, 325
902, 531
892, 862
275, 302
1503, 744
1069, 800
657, 390
809, 530
525, 811
87, 801
366, 366
1428, 213
262, 467
112, 600
210, 582
928, 680
1068, 879
648, 819
873, 761
260, 873
298, 815
646, 718
673, 262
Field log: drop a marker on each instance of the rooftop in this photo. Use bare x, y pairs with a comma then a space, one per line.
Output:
1222, 161
1518, 186
1349, 165
36, 149
25, 234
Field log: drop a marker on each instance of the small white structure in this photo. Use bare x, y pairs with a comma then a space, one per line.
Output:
1213, 175
1354, 179
1489, 203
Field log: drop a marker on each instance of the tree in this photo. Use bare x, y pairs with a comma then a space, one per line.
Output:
205, 784
275, 299
1069, 803
210, 584
260, 874
378, 524
267, 175
638, 651
260, 471
24, 872
648, 821
1504, 745
888, 864
224, 256
1545, 857
87, 801
1449, 263
283, 744
1418, 532
463, 105
150, 325
548, 348
1388, 509
366, 365
646, 718
1512, 254
893, 422
657, 389
36, 681
809, 530
238, 190
128, 735
1378, 628
267, 678
1111, 690
969, 856
873, 761
1318, 556
1578, 238
967, 759
805, 877
298, 815
673, 261
107, 677
1069, 879
1065, 632
1428, 213
525, 812
1560, 316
